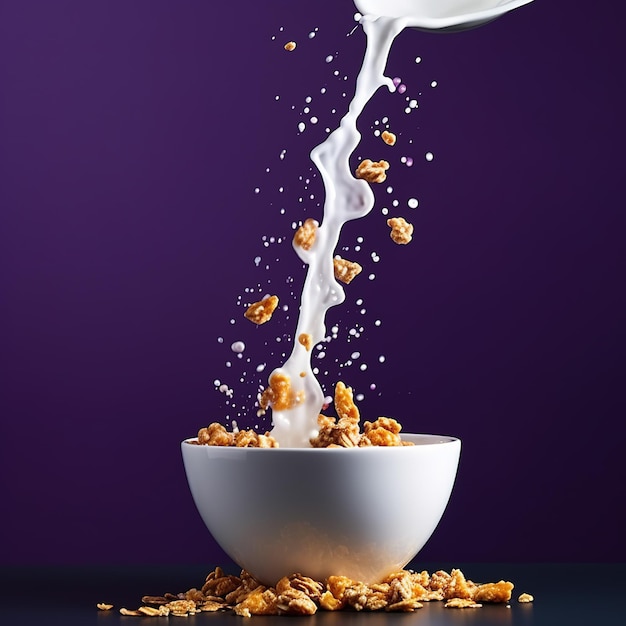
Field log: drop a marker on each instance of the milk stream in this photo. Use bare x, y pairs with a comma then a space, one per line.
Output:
346, 198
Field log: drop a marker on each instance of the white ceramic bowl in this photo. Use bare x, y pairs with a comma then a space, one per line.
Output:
360, 512
440, 15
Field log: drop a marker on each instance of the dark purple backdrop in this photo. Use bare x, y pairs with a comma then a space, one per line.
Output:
132, 137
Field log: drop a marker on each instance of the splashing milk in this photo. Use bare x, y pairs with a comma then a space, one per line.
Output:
346, 198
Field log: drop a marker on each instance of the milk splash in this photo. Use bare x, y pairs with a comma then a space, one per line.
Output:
346, 198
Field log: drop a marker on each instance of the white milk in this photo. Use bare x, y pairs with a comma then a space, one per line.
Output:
346, 198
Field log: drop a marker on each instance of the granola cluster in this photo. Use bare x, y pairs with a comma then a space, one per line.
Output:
305, 235
261, 311
401, 230
388, 138
401, 591
344, 431
372, 171
345, 270
216, 435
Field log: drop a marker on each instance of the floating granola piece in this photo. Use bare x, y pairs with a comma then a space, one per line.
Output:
290, 46
103, 606
305, 235
345, 270
306, 340
388, 138
494, 592
372, 171
344, 402
261, 311
401, 230
525, 597
215, 435
461, 603
280, 395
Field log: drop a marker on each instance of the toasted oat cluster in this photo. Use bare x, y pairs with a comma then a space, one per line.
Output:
344, 432
262, 311
388, 138
401, 230
346, 270
290, 46
372, 171
216, 435
280, 395
401, 591
305, 235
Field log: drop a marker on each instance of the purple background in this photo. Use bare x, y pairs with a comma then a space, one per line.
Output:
132, 137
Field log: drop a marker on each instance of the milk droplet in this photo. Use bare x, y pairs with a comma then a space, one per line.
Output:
217, 382
413, 203
238, 346
433, 84
418, 59
413, 104
396, 81
381, 359
409, 161
360, 397
314, 120
257, 260
355, 355
260, 367
329, 58
256, 190
401, 88
363, 367
301, 127
311, 34
220, 340
430, 156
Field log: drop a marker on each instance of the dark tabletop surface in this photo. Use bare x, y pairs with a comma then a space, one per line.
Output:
571, 594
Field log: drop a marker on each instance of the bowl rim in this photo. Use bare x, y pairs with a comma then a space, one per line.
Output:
430, 440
